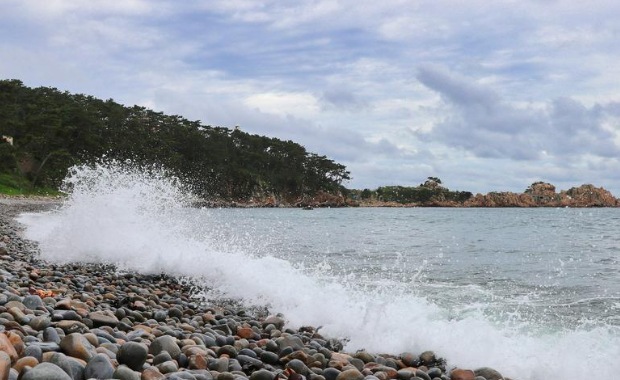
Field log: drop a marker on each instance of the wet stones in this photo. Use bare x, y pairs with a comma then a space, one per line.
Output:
462, 374
165, 343
5, 365
78, 346
99, 367
46, 371
488, 373
133, 355
7, 347
350, 374
103, 318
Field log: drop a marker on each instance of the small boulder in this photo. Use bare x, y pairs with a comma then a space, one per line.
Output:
78, 346
7, 346
125, 373
46, 371
103, 318
462, 374
488, 373
99, 367
5, 365
350, 374
133, 355
165, 343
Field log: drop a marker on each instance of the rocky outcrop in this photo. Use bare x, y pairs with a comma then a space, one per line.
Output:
500, 199
589, 196
541, 194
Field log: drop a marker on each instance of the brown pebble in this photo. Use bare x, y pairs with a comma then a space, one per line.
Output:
151, 373
350, 374
16, 342
245, 332
25, 361
198, 362
78, 346
462, 374
5, 365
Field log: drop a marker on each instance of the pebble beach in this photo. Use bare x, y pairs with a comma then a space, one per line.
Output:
86, 321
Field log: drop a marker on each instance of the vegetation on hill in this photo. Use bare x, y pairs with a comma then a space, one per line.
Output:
429, 193
45, 131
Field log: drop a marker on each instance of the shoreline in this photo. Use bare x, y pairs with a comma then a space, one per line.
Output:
20, 201
78, 321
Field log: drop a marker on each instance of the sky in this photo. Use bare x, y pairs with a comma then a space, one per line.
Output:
486, 95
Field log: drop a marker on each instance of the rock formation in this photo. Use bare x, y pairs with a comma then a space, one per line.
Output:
541, 194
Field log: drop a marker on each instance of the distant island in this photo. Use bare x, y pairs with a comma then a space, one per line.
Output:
45, 131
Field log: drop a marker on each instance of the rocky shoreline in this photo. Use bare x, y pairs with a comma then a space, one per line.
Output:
82, 321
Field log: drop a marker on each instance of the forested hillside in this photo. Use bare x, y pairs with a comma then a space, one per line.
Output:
45, 131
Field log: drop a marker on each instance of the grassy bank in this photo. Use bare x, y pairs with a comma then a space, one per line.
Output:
19, 186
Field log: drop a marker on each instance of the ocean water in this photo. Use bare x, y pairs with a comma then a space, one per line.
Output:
534, 293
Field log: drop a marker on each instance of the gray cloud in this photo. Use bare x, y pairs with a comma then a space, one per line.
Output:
480, 121
342, 99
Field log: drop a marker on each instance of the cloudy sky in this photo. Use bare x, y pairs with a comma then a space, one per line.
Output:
486, 95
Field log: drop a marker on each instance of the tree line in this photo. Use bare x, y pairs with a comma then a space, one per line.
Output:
45, 131
429, 193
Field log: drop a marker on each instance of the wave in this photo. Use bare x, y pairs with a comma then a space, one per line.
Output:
138, 218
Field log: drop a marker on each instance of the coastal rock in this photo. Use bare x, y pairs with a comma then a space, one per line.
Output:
275, 320
245, 332
40, 322
51, 335
364, 356
541, 194
462, 374
405, 374
168, 367
35, 351
122, 372
152, 373
78, 346
590, 196
249, 363
298, 367
99, 367
330, 373
262, 374
69, 326
350, 374
420, 374
294, 342
165, 343
70, 365
434, 372
103, 318
33, 302
7, 347
26, 361
5, 365
428, 358
46, 371
488, 373
133, 355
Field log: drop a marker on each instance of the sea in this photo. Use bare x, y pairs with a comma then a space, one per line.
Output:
533, 293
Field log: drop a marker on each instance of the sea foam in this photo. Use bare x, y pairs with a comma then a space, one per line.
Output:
139, 219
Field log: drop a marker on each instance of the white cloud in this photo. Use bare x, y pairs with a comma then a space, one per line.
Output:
294, 104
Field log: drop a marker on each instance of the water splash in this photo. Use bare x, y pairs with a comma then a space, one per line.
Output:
138, 219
